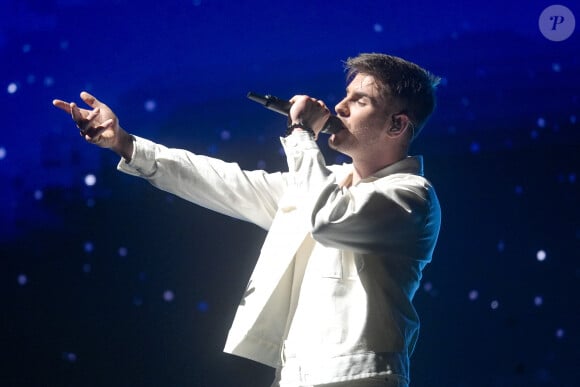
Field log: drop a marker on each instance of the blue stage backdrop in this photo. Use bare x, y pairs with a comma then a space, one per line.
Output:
106, 281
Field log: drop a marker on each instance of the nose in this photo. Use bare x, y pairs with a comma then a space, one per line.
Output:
341, 108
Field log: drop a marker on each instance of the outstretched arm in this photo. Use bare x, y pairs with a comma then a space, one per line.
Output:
99, 126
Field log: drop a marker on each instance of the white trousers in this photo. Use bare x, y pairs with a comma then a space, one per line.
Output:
376, 381
379, 381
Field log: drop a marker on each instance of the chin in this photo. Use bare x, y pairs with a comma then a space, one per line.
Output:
336, 140
332, 143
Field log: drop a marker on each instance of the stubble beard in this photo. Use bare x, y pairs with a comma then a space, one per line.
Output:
348, 142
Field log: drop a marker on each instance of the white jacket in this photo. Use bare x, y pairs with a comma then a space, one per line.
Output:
330, 297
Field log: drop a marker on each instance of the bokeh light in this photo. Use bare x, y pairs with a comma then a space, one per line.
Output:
90, 180
541, 255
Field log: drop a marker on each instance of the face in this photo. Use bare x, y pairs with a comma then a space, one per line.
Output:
367, 117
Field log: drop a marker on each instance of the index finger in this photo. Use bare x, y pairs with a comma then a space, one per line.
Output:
62, 105
90, 99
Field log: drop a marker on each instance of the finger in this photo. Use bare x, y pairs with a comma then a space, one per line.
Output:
323, 105
62, 105
93, 139
92, 114
90, 100
93, 135
297, 97
108, 123
75, 112
91, 132
320, 103
77, 115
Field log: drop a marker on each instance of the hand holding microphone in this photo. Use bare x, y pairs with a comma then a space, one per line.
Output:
309, 112
331, 125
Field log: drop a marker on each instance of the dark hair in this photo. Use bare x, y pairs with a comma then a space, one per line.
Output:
401, 79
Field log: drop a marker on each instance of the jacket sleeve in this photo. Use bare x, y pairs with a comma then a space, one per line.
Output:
211, 183
396, 213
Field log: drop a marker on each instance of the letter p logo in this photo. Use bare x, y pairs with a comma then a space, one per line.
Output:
557, 20
557, 23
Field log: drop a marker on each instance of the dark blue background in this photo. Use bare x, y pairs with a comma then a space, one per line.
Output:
119, 284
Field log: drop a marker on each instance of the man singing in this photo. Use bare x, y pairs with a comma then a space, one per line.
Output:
329, 302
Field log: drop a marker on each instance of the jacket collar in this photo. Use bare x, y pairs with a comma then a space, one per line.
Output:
410, 164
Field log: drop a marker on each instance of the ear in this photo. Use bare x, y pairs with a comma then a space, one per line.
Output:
399, 124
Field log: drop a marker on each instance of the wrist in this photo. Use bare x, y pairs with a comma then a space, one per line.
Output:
124, 145
298, 126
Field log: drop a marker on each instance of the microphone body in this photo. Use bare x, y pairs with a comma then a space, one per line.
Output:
332, 125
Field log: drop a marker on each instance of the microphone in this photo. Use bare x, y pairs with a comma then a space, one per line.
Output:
332, 125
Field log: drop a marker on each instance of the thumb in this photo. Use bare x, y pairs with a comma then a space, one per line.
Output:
90, 100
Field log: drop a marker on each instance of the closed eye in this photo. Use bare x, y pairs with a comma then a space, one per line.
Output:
363, 100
